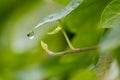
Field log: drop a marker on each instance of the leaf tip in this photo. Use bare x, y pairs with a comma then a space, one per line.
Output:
56, 30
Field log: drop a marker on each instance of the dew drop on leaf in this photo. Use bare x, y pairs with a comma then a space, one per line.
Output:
30, 35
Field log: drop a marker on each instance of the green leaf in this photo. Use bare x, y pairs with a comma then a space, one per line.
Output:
45, 47
65, 2
56, 16
111, 15
111, 40
86, 15
81, 75
117, 54
84, 23
56, 30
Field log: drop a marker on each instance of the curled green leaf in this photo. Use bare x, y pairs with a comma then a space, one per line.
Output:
56, 30
45, 47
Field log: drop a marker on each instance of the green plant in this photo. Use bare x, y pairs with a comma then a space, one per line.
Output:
108, 17
78, 41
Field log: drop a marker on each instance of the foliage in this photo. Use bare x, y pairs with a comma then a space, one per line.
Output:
86, 23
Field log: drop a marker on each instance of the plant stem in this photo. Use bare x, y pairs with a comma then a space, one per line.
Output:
77, 50
67, 39
65, 35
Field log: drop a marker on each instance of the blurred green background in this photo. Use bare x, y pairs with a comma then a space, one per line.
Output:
24, 59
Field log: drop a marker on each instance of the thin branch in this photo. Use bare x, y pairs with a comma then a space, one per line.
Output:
67, 39
77, 50
65, 35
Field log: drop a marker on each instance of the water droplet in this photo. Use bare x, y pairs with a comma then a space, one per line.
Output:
30, 35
